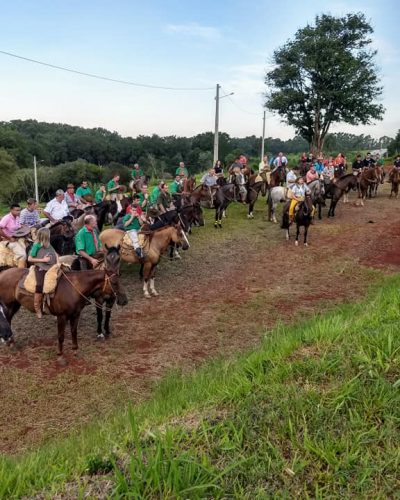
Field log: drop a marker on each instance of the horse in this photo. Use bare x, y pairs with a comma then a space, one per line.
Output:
394, 179
62, 236
189, 184
302, 217
224, 195
72, 294
254, 187
337, 188
6, 333
367, 181
380, 177
276, 195
156, 244
278, 176
317, 190
104, 211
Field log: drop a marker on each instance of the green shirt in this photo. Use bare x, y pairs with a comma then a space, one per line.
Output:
98, 198
136, 174
81, 191
179, 171
154, 194
135, 224
175, 187
36, 247
84, 241
111, 184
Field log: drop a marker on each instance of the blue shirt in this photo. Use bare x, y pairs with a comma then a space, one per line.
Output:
319, 167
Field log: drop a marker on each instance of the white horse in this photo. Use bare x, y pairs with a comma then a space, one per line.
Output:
276, 195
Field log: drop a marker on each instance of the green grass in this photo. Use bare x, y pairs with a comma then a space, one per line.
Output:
315, 411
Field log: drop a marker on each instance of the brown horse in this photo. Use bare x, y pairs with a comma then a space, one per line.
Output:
189, 184
72, 294
394, 179
367, 181
157, 244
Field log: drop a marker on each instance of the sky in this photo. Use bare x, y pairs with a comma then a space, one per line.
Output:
172, 43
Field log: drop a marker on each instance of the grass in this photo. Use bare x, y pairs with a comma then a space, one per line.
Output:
313, 412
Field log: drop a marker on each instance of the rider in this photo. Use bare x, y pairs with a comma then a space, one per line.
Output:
319, 165
43, 256
357, 165
132, 222
113, 186
339, 164
218, 169
329, 172
136, 172
176, 185
135, 205
290, 178
209, 180
144, 198
369, 161
396, 162
100, 194
71, 198
155, 193
182, 171
57, 208
299, 191
264, 169
311, 175
88, 244
280, 161
164, 199
84, 191
29, 215
9, 225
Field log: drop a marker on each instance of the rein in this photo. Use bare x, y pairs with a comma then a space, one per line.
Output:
88, 299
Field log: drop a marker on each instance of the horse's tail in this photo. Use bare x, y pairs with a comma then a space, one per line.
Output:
285, 220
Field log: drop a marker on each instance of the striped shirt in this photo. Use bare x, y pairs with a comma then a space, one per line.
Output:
29, 218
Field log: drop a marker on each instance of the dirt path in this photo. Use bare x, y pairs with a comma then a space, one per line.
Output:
231, 286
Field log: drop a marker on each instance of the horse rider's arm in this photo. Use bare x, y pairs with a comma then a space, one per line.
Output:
35, 260
128, 221
48, 216
86, 256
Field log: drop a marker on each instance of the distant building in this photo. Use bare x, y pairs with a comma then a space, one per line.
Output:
380, 152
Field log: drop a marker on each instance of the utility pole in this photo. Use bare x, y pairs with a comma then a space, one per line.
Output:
216, 123
35, 178
263, 138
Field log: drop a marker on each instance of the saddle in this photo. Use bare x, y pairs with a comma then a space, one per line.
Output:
51, 279
143, 237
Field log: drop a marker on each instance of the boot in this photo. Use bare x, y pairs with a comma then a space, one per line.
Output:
37, 304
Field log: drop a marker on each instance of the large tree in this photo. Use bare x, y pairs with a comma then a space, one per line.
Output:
326, 75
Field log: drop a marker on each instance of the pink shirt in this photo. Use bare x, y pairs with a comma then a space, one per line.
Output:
9, 224
311, 176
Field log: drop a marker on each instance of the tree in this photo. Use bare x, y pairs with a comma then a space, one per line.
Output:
326, 75
8, 170
394, 146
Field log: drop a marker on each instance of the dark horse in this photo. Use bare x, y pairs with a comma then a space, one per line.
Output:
394, 179
5, 328
103, 210
223, 196
335, 190
62, 236
278, 176
367, 182
253, 189
302, 217
72, 294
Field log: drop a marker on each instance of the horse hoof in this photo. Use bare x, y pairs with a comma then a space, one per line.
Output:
155, 293
147, 296
306, 244
62, 362
296, 243
100, 336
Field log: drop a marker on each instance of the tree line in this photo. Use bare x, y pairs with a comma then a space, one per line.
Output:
68, 153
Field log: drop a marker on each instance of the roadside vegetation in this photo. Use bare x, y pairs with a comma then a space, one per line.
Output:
314, 411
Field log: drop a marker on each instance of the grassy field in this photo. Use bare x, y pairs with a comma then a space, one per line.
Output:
315, 411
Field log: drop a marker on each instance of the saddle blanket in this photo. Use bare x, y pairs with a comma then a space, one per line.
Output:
7, 256
127, 242
50, 280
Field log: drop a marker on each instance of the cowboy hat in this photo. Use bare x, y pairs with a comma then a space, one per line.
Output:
22, 232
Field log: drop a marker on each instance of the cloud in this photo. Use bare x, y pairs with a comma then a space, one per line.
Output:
194, 30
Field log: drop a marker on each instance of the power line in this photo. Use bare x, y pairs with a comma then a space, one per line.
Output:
99, 77
239, 107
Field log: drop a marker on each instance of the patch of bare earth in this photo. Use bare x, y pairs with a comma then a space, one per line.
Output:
231, 286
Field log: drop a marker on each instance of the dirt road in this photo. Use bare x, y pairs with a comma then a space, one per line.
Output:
229, 289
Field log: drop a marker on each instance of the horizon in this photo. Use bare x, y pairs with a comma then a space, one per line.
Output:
168, 44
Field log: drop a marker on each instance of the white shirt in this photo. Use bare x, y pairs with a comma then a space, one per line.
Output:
290, 179
280, 160
262, 166
299, 190
56, 209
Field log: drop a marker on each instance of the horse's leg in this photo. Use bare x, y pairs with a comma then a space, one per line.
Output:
152, 278
306, 226
146, 275
109, 306
74, 320
297, 234
61, 322
99, 315
141, 271
319, 211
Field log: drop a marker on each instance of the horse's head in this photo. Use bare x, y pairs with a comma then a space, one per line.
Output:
5, 328
112, 265
179, 237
